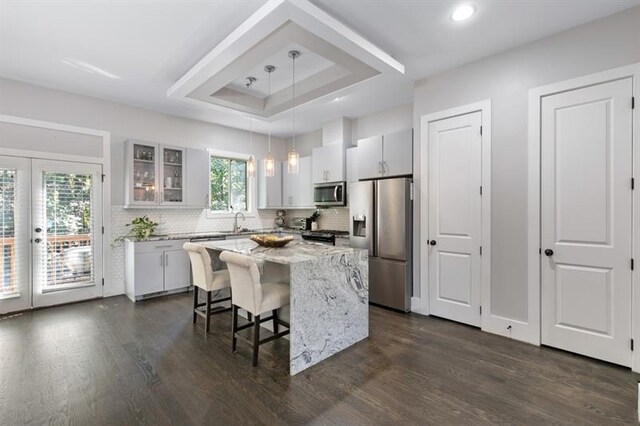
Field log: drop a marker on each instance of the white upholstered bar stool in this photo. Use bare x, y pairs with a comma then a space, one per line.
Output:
207, 279
247, 292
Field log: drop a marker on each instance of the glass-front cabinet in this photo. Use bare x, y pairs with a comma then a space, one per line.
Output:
155, 174
172, 173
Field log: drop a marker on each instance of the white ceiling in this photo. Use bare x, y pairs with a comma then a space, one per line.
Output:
151, 44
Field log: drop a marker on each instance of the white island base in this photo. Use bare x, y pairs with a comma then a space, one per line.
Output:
329, 307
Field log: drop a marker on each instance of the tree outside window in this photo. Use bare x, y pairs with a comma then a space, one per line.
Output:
228, 184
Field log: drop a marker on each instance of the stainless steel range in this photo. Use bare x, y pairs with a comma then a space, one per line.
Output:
326, 236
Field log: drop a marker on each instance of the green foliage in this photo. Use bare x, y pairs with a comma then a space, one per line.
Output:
68, 203
228, 184
141, 229
7, 202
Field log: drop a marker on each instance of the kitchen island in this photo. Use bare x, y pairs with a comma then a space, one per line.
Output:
329, 306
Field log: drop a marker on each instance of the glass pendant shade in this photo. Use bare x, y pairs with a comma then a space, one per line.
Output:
251, 167
293, 163
269, 166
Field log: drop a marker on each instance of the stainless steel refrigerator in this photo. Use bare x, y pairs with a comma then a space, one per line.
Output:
381, 214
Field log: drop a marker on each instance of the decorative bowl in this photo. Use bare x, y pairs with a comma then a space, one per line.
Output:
270, 240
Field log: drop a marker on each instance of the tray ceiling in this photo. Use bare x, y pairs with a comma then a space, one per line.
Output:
333, 57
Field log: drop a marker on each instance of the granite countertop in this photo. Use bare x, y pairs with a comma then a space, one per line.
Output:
294, 252
223, 234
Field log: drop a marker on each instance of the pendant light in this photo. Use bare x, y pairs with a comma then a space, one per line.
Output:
251, 163
269, 162
293, 159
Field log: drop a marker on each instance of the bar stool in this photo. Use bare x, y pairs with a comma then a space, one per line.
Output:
207, 279
256, 298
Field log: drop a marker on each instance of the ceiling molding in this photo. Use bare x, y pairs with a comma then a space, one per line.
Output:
213, 81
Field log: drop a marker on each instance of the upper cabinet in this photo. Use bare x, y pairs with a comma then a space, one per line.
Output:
269, 187
352, 164
156, 175
386, 155
397, 153
297, 189
369, 157
328, 163
197, 173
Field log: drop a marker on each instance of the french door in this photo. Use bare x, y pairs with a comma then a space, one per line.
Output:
586, 220
51, 232
455, 218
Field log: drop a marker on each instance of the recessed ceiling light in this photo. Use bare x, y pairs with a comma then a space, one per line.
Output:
91, 69
463, 12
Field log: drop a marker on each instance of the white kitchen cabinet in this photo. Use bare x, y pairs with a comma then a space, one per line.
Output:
387, 155
154, 268
197, 172
269, 188
352, 164
176, 269
328, 163
370, 157
397, 153
154, 175
297, 189
148, 274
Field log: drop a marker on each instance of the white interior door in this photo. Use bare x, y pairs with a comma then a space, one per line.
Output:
66, 231
586, 214
455, 269
15, 284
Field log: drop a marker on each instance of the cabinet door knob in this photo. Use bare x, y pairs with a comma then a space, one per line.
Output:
548, 252
432, 242
37, 240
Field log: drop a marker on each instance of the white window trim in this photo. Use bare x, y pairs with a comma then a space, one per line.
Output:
252, 188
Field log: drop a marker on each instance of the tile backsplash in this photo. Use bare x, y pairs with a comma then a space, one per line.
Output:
333, 218
192, 220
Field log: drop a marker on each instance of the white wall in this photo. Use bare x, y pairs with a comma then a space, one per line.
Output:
388, 121
124, 122
505, 79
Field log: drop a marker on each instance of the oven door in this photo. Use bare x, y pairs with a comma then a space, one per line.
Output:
330, 194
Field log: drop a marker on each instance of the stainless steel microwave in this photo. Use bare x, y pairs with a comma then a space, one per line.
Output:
330, 194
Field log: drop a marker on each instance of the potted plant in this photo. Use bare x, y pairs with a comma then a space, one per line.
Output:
141, 229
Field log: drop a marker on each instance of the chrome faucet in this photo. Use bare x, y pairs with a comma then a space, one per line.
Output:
236, 228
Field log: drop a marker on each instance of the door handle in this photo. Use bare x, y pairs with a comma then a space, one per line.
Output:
38, 229
37, 240
548, 252
166, 260
432, 242
162, 260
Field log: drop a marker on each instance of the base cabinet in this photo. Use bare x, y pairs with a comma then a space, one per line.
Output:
155, 268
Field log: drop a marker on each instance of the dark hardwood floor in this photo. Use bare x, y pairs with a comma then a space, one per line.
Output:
113, 362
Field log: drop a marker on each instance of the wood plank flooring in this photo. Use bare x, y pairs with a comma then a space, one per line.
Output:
113, 362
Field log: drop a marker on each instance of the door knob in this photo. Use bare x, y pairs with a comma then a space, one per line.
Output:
37, 240
548, 252
38, 229
432, 242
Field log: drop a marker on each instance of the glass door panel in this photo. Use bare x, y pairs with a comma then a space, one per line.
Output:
67, 232
144, 173
172, 172
15, 288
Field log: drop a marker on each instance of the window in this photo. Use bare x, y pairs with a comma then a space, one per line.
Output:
228, 184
